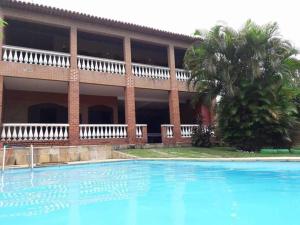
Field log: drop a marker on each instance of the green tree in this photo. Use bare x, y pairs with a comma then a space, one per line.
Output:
2, 24
254, 71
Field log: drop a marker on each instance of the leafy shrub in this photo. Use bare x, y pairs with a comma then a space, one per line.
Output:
202, 135
259, 116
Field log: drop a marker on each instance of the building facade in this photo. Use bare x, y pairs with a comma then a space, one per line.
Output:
72, 79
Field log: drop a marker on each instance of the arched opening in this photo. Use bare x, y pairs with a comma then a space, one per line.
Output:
100, 114
47, 113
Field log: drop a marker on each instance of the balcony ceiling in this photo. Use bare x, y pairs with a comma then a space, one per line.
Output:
24, 84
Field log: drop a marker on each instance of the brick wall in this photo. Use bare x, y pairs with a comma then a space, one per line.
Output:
17, 103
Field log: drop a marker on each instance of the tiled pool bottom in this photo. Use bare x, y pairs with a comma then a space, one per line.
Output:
153, 193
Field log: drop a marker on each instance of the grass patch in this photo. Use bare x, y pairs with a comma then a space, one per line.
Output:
194, 152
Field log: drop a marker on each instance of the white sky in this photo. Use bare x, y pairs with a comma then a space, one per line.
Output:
184, 16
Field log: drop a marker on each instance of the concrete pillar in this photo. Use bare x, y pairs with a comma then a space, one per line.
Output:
174, 96
129, 94
73, 91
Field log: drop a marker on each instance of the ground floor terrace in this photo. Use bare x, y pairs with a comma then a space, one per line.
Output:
38, 112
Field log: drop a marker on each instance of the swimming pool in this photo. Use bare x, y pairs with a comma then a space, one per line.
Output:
153, 193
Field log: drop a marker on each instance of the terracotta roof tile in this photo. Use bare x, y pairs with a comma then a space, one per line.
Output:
93, 19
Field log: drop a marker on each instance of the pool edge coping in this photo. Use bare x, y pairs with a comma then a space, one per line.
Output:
252, 159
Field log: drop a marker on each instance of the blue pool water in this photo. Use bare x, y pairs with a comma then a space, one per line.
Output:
153, 193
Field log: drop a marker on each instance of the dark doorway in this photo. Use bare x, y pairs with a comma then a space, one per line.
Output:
100, 115
154, 114
47, 113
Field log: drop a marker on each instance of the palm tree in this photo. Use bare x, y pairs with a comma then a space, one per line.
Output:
223, 58
255, 73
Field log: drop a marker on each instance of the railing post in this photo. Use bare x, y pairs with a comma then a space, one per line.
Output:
73, 91
145, 134
129, 94
174, 96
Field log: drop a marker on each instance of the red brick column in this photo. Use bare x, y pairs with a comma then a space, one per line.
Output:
173, 96
129, 94
1, 77
1, 100
73, 92
145, 135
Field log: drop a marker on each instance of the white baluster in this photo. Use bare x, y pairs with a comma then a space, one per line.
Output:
59, 62
45, 60
16, 56
35, 58
80, 132
121, 132
14, 135
41, 135
61, 134
25, 135
41, 59
5, 55
30, 58
54, 60
8, 133
68, 64
46, 134
79, 63
92, 66
83, 64
97, 132
109, 132
100, 67
63, 62
66, 133
85, 134
105, 132
10, 56
108, 67
118, 132
51, 133
101, 132
20, 133
93, 132
50, 60
113, 132
35, 134
112, 68
55, 132
88, 64
26, 58
125, 132
3, 133
96, 66
89, 132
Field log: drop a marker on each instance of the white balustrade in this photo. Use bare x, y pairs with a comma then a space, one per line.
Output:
35, 56
187, 129
99, 131
100, 65
183, 75
34, 132
149, 71
139, 130
169, 130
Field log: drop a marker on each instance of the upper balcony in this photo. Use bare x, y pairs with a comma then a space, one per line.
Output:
100, 58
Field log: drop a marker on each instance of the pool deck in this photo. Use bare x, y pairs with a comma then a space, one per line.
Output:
250, 159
